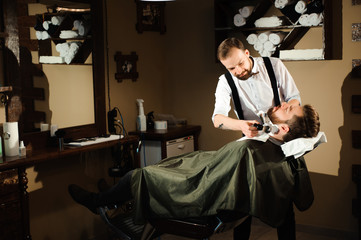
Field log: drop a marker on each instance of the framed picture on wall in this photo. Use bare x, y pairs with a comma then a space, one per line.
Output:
150, 16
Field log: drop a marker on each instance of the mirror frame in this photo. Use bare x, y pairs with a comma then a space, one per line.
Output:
14, 109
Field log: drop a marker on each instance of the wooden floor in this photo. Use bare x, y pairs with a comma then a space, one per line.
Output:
260, 232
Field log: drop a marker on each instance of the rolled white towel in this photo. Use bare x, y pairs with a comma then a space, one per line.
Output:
304, 20
246, 11
268, 46
76, 24
265, 53
276, 38
68, 34
315, 19
252, 38
301, 7
273, 21
44, 35
51, 59
57, 20
73, 49
74, 46
39, 35
83, 28
238, 20
46, 25
62, 48
283, 3
258, 46
263, 37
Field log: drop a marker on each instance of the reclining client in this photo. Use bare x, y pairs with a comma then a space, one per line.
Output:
247, 176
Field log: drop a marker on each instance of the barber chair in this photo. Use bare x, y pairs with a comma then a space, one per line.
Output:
123, 227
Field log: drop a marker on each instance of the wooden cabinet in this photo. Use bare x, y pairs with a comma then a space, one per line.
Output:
14, 222
159, 144
331, 26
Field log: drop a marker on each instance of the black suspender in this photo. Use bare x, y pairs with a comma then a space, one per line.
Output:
235, 96
272, 76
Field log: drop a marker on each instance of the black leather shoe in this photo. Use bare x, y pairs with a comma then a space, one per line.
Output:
83, 197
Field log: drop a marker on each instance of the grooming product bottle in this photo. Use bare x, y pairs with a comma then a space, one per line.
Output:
22, 149
141, 120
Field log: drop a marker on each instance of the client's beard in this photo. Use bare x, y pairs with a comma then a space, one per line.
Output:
272, 117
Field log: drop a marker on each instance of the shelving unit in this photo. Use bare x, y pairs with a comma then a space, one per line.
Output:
85, 41
294, 32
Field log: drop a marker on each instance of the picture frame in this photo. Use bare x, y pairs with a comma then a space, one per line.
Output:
150, 17
126, 66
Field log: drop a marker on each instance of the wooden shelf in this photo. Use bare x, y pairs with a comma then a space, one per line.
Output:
331, 26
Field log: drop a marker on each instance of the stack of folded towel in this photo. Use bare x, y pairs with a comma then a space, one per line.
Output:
243, 13
68, 50
273, 21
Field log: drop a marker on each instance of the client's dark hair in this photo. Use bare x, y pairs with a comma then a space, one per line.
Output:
226, 45
306, 126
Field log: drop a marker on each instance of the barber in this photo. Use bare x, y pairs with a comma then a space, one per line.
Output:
253, 84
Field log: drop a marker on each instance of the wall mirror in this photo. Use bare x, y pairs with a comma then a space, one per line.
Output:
69, 94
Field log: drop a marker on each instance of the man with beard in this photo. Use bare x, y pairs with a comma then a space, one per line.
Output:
253, 84
247, 176
254, 87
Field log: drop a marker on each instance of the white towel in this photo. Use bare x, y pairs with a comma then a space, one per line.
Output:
39, 35
296, 147
276, 37
273, 21
76, 24
283, 3
263, 37
73, 49
246, 11
302, 54
44, 35
68, 34
57, 20
266, 53
268, 46
300, 146
258, 46
238, 20
51, 59
46, 25
301, 7
252, 38
83, 28
62, 48
313, 19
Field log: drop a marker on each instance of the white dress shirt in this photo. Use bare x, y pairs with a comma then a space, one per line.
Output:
256, 92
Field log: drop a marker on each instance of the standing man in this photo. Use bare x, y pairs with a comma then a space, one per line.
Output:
254, 87
252, 80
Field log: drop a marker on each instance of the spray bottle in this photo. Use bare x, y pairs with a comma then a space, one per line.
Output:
141, 120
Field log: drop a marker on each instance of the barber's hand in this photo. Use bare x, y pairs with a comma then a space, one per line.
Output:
248, 129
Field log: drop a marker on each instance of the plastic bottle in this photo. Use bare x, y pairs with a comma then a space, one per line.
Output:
141, 120
22, 149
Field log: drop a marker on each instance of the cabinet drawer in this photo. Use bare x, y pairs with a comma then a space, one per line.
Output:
11, 231
10, 212
9, 182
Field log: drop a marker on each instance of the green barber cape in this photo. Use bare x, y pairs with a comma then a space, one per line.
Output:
249, 176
